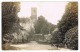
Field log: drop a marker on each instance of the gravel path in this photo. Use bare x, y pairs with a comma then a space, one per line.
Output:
33, 45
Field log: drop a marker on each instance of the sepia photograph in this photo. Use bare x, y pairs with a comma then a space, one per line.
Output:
39, 25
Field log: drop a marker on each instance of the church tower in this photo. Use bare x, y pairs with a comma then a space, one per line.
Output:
34, 14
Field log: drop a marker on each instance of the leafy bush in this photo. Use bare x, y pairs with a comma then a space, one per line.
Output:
71, 38
56, 38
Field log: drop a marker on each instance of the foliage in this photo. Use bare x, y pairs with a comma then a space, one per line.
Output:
56, 38
39, 24
9, 19
71, 38
43, 27
69, 19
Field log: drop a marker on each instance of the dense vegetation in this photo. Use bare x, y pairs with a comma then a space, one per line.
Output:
69, 21
56, 38
10, 21
43, 26
71, 38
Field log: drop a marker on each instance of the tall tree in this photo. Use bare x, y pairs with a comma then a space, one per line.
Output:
9, 19
69, 19
40, 22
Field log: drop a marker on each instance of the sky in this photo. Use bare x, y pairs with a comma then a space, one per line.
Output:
52, 11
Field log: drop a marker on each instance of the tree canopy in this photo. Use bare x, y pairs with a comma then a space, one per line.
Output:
69, 18
43, 26
10, 20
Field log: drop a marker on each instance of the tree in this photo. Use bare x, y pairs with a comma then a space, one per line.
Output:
51, 27
43, 26
9, 19
56, 38
44, 29
69, 19
40, 22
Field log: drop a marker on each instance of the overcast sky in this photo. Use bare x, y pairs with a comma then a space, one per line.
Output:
52, 11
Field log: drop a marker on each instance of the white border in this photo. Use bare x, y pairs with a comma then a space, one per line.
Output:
34, 47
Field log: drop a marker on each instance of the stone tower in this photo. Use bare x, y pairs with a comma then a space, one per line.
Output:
34, 14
